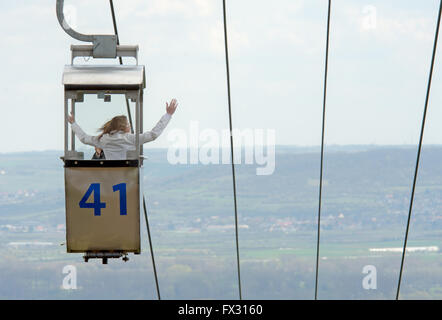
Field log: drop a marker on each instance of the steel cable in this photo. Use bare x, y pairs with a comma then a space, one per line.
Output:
322, 149
231, 146
131, 128
419, 149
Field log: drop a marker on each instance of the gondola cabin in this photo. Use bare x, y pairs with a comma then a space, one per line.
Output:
103, 197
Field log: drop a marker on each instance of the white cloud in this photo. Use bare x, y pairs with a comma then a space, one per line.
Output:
189, 8
389, 25
237, 41
419, 28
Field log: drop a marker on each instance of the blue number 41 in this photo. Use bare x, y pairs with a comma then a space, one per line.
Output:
97, 205
123, 199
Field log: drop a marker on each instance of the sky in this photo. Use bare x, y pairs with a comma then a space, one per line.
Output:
380, 53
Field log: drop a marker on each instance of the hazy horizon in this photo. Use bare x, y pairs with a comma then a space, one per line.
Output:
277, 146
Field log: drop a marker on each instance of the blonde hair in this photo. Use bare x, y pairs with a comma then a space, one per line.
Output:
118, 123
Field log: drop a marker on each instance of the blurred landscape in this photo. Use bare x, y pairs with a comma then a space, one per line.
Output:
366, 196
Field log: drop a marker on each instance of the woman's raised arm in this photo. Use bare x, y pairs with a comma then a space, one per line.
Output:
83, 136
161, 125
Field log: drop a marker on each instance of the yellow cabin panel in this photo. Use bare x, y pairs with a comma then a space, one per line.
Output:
103, 209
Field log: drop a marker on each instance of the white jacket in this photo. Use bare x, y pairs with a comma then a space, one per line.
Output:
115, 145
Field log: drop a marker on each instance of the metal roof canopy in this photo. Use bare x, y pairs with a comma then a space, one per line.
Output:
89, 77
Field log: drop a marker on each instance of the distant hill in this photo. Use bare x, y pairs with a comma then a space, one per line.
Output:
365, 184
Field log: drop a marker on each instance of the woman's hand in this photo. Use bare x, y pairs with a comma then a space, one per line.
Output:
170, 108
71, 118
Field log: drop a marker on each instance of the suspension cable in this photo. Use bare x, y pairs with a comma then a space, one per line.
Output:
231, 147
132, 130
322, 149
151, 249
120, 58
419, 148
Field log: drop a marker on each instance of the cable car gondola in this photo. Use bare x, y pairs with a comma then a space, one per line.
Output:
103, 197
